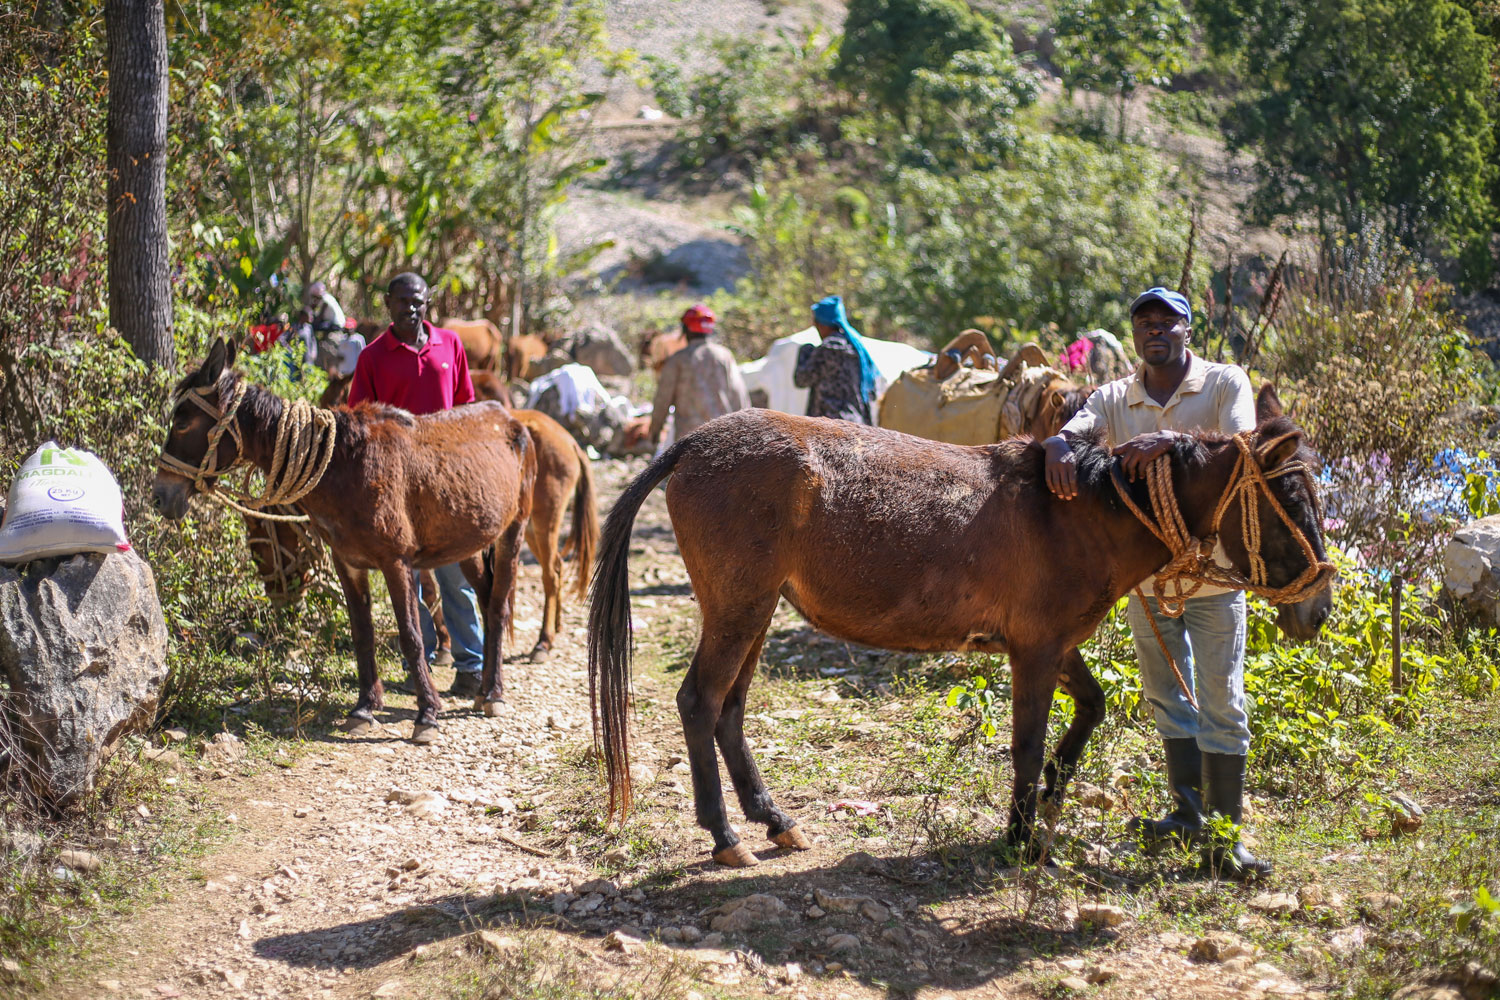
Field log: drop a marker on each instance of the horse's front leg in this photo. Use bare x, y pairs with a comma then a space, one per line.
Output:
402, 583
1088, 712
1033, 679
356, 585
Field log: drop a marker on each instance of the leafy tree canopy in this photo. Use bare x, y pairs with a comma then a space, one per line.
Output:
1368, 112
886, 43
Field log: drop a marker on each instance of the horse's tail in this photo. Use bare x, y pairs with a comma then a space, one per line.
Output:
610, 633
583, 541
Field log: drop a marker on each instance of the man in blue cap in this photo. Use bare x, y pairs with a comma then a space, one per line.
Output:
1172, 392
839, 372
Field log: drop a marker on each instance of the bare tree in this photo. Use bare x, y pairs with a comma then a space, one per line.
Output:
140, 292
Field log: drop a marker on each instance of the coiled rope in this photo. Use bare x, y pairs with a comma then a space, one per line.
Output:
1192, 564
299, 457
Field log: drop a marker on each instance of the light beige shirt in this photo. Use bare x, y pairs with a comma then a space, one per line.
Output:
698, 383
1212, 397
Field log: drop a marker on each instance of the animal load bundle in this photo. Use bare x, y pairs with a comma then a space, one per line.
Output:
974, 406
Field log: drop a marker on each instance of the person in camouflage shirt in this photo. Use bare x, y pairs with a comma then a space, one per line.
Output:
839, 371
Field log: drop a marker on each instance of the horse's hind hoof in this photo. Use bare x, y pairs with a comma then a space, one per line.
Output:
793, 838
738, 856
424, 734
491, 707
541, 654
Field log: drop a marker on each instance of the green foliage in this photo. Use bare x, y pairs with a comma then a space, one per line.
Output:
1368, 110
964, 114
762, 97
887, 42
1114, 46
1062, 235
375, 136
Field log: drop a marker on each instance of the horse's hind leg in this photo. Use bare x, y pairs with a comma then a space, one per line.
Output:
541, 535
754, 798
497, 609
433, 600
400, 581
1088, 712
726, 642
356, 585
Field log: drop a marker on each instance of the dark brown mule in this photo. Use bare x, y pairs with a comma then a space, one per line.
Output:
400, 494
897, 542
287, 559
563, 471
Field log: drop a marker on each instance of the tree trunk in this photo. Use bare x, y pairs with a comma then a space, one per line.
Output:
140, 291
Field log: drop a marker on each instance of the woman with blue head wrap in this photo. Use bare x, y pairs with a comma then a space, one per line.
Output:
839, 371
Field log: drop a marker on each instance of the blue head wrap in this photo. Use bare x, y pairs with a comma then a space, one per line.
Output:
831, 311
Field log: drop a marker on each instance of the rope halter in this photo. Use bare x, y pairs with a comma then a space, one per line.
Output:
1192, 563
301, 453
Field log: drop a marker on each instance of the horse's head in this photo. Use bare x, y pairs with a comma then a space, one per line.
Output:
197, 429
1056, 405
1289, 465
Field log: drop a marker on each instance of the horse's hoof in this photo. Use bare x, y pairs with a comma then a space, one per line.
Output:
793, 838
738, 856
424, 734
492, 708
541, 654
357, 725
443, 658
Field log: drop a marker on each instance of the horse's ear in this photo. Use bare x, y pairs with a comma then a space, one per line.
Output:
1279, 449
230, 350
1267, 404
214, 364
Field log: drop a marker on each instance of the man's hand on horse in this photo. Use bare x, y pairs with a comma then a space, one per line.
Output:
1137, 454
1062, 468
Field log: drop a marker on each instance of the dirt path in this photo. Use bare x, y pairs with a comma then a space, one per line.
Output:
362, 869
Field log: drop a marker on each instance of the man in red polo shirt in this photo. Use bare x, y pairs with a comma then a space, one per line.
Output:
422, 369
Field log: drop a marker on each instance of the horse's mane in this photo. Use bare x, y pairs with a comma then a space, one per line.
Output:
1095, 462
1189, 452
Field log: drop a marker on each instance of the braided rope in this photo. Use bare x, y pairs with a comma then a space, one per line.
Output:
1192, 564
300, 455
295, 568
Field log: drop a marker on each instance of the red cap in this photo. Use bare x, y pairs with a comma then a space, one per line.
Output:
699, 319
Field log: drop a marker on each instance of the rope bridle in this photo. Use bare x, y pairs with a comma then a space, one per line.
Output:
1192, 564
301, 453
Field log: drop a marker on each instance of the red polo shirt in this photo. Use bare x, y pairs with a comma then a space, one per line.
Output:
426, 381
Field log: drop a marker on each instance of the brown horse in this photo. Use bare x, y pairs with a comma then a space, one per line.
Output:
893, 541
399, 494
563, 471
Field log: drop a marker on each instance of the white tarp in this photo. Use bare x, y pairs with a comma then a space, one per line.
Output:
579, 391
772, 374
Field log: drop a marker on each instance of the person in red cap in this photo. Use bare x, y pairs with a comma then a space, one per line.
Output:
698, 383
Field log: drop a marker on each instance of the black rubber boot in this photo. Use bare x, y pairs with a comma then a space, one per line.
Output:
1224, 793
1184, 774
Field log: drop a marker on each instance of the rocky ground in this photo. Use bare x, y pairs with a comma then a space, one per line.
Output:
481, 866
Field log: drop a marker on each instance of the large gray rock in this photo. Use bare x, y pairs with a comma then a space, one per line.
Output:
84, 648
600, 348
1471, 566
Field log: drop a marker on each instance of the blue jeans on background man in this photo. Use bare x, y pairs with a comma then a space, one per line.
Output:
461, 615
1208, 642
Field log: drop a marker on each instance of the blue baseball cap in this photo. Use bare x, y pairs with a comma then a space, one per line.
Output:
1175, 301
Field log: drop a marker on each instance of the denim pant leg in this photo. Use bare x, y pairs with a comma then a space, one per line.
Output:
1216, 626
1208, 642
461, 613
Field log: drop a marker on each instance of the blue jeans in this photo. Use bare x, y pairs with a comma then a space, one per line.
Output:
461, 615
1208, 642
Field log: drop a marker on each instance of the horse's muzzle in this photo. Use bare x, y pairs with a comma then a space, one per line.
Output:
1301, 621
170, 495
